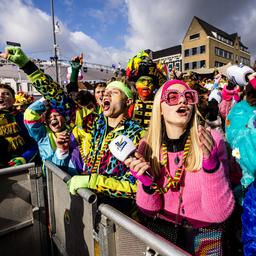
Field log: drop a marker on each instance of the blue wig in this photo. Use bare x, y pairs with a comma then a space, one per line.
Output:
241, 135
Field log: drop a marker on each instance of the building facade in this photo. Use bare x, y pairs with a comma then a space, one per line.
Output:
170, 57
205, 46
10, 74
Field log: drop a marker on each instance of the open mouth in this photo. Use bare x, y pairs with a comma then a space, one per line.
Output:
106, 105
54, 123
1, 101
182, 110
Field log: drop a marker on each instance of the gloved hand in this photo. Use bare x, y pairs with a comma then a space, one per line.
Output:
17, 161
78, 181
17, 56
76, 64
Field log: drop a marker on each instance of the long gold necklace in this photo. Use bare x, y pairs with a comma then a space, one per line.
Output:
172, 182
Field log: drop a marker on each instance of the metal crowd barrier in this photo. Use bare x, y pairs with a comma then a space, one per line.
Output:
72, 224
72, 218
23, 229
122, 236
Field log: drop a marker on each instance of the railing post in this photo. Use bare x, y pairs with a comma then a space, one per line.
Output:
107, 237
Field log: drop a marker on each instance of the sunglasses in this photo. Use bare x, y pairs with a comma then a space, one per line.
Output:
172, 97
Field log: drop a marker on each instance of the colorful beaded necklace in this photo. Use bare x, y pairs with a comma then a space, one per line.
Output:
110, 136
172, 182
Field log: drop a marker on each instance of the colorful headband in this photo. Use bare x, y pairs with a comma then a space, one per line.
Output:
122, 87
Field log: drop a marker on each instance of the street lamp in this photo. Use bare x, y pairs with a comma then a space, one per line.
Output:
54, 43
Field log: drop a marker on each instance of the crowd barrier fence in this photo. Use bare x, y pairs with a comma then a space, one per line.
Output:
78, 226
23, 229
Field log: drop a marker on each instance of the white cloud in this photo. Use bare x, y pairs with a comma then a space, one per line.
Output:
33, 29
151, 24
155, 24
24, 24
161, 24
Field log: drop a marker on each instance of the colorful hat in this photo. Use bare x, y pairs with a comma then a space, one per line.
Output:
142, 65
22, 98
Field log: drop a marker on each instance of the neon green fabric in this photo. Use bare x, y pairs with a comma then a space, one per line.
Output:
76, 182
112, 186
17, 161
122, 87
17, 56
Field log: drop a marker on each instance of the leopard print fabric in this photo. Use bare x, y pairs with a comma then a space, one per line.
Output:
109, 165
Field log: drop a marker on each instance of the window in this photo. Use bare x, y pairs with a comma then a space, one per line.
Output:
202, 49
170, 66
222, 53
194, 51
218, 64
186, 66
194, 65
186, 52
245, 61
225, 40
202, 64
18, 87
30, 87
195, 36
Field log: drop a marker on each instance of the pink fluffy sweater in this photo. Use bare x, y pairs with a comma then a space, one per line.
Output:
206, 198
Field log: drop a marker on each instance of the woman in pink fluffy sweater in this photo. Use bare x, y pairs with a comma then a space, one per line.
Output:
184, 192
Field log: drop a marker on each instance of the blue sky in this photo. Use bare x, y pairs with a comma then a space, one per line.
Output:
103, 21
112, 31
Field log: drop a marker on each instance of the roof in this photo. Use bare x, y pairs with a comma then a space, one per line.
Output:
222, 70
167, 52
208, 28
12, 71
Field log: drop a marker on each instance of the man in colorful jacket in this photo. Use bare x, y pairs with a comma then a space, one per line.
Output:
148, 78
17, 146
103, 173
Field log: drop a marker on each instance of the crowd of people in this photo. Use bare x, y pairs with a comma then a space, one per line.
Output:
192, 177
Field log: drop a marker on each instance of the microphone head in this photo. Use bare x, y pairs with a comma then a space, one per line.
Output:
122, 147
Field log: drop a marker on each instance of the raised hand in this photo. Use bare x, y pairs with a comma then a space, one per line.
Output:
62, 140
15, 55
206, 141
137, 164
17, 161
77, 61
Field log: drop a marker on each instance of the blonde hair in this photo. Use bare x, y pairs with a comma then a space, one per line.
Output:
154, 140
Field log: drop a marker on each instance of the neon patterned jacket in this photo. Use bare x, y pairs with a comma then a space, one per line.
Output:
15, 135
37, 129
118, 185
109, 175
142, 112
51, 91
60, 101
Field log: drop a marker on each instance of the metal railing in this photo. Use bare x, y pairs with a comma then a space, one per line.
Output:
116, 234
133, 233
22, 215
72, 218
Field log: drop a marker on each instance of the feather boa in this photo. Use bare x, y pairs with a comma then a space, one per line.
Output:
241, 135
